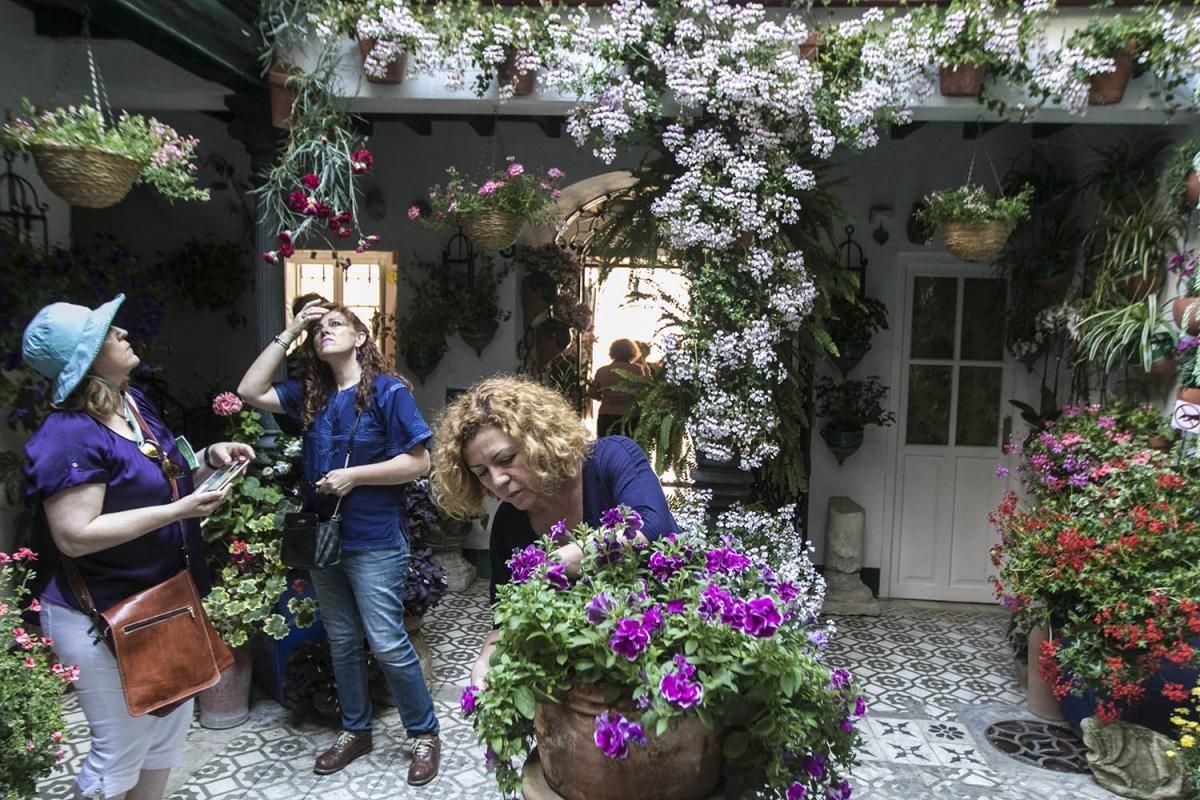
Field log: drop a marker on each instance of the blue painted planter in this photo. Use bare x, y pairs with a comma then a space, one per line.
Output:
1155, 711
270, 656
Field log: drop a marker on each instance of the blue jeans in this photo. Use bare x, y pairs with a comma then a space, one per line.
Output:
364, 596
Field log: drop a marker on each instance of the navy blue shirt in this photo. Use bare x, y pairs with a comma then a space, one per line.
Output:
371, 515
616, 473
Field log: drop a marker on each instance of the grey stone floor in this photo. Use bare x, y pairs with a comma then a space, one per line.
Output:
935, 676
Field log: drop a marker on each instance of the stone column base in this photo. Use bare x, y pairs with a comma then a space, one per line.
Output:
847, 595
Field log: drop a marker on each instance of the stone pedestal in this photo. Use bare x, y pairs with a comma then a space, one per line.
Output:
845, 593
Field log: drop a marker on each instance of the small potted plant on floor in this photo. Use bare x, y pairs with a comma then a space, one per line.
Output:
92, 162
32, 683
493, 210
676, 663
975, 224
847, 408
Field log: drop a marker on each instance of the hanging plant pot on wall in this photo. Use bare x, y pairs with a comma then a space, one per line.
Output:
393, 72
283, 97
537, 293
521, 81
552, 338
1191, 191
85, 176
1186, 311
849, 354
422, 360
1138, 287
492, 230
962, 80
1109, 88
479, 337
975, 241
842, 444
1052, 278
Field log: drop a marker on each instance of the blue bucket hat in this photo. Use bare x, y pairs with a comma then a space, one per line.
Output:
63, 339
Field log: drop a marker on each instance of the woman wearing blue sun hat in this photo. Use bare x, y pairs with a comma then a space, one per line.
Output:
113, 492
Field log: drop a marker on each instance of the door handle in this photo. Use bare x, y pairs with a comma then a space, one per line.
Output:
1006, 431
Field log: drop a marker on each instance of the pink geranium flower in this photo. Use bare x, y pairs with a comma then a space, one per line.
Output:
226, 404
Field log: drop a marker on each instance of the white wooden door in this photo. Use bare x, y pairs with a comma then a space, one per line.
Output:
954, 385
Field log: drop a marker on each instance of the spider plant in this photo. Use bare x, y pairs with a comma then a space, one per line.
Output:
1117, 334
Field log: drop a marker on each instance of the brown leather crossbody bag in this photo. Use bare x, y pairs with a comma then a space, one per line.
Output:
166, 648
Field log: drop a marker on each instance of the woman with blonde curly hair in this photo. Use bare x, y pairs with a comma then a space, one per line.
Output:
523, 444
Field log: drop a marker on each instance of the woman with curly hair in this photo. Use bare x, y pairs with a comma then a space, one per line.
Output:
523, 444
351, 404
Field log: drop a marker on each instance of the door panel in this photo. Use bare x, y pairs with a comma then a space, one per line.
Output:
954, 384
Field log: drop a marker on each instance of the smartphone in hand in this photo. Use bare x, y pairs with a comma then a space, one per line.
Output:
224, 476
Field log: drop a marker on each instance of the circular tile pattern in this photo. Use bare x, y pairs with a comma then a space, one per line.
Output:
1041, 744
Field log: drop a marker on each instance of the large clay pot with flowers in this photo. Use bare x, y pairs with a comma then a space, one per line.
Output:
393, 71
508, 73
684, 763
227, 704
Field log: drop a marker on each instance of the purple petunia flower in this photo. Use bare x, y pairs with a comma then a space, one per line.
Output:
469, 699
629, 639
842, 792
760, 618
599, 607
678, 687
676, 606
814, 765
860, 706
523, 563
713, 602
839, 679
726, 560
652, 620
557, 576
796, 792
734, 613
818, 639
614, 732
663, 567
611, 518
787, 591
559, 532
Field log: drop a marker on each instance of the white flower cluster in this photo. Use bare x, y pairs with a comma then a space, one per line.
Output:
395, 31
771, 538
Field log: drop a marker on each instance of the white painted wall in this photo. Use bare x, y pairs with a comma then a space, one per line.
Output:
897, 174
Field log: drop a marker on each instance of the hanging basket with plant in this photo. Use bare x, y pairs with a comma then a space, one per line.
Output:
493, 210
91, 160
976, 224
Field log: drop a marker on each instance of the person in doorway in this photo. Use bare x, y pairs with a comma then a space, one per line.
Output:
522, 443
114, 493
614, 404
363, 438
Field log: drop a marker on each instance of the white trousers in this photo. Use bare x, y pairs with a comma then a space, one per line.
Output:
122, 746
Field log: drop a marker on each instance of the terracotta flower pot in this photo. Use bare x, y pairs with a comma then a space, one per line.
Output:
1109, 88
393, 72
810, 49
1163, 370
522, 82
282, 97
962, 80
1191, 193
1160, 443
533, 301
682, 764
1132, 202
1138, 287
1189, 394
1188, 307
553, 336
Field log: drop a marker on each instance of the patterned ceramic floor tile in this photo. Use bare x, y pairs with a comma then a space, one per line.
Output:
924, 669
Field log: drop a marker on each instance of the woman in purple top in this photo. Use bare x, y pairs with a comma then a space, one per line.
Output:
101, 485
348, 402
522, 443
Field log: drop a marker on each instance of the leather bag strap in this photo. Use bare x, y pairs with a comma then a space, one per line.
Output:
349, 450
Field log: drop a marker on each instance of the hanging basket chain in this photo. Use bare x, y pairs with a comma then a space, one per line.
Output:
99, 90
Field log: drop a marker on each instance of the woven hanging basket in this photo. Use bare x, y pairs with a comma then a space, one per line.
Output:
975, 241
493, 230
85, 176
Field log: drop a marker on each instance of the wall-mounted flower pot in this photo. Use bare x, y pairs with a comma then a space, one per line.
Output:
282, 96
727, 483
521, 81
1109, 88
1053, 278
422, 361
537, 292
1138, 287
393, 73
1191, 191
1189, 394
478, 339
810, 48
962, 80
1132, 202
1187, 308
842, 444
849, 354
552, 338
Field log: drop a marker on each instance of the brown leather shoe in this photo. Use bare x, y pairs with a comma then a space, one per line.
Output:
427, 749
347, 747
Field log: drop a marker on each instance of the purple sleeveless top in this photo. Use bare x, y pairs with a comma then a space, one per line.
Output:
71, 449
